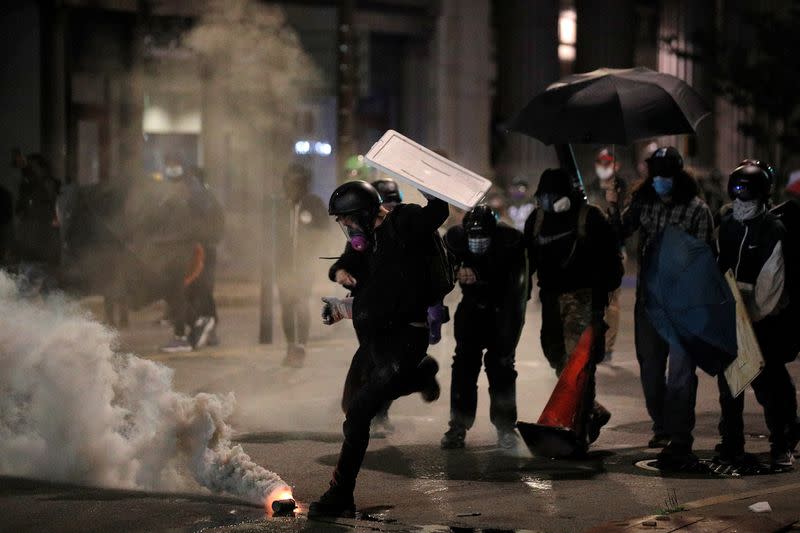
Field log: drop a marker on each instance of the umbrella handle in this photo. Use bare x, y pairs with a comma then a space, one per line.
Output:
566, 160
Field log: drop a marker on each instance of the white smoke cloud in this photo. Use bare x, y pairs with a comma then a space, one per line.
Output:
72, 409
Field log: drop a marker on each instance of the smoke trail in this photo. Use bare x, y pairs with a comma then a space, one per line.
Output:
71, 409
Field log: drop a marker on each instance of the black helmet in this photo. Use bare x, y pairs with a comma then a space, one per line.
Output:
355, 198
556, 181
749, 181
388, 190
665, 161
480, 221
766, 167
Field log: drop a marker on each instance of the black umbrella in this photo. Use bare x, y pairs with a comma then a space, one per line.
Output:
611, 106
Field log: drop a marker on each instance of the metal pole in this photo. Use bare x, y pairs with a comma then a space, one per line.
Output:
566, 160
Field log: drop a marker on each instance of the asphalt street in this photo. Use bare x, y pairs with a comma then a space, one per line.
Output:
289, 420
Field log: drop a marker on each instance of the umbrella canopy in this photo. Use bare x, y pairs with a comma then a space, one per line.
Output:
688, 301
612, 106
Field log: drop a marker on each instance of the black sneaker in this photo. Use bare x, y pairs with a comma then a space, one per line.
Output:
453, 438
427, 369
727, 455
781, 459
507, 439
677, 458
658, 441
201, 329
598, 418
336, 502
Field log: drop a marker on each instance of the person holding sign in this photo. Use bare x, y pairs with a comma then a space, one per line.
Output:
751, 245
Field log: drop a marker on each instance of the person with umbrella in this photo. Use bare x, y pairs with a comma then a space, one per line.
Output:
668, 197
575, 253
751, 245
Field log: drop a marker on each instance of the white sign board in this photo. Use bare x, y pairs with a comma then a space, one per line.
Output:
749, 362
423, 169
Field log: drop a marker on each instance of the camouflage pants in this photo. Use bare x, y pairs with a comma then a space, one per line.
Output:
564, 319
612, 319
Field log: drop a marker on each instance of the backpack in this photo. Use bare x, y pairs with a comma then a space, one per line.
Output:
441, 269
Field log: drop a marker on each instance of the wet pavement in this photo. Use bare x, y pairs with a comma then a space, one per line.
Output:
289, 420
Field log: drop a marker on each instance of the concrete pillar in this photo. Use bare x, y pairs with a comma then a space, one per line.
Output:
527, 62
54, 86
461, 69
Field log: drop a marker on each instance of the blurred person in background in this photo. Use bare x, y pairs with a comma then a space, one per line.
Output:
574, 251
669, 196
210, 220
301, 219
493, 276
520, 203
37, 239
609, 184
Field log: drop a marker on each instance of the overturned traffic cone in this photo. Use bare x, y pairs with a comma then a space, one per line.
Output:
560, 430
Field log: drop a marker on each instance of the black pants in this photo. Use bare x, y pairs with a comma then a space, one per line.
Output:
669, 396
476, 330
357, 375
395, 354
295, 299
775, 392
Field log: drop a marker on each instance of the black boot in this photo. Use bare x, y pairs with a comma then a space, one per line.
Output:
454, 437
429, 387
336, 502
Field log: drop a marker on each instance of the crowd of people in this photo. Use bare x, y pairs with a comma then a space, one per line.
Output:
574, 248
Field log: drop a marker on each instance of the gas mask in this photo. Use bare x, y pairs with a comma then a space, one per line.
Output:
604, 172
478, 245
746, 209
662, 186
553, 203
358, 238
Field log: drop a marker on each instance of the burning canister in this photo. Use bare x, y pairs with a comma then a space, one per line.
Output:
283, 507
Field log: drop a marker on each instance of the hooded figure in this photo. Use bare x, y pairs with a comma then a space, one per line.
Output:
575, 253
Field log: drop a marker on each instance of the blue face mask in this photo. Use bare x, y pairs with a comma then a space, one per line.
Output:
662, 186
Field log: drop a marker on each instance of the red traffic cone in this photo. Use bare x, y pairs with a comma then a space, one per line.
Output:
560, 431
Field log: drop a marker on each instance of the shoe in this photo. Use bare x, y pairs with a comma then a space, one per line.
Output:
658, 441
598, 418
177, 344
430, 389
677, 458
336, 502
727, 455
295, 356
507, 439
213, 338
453, 438
781, 459
202, 327
383, 425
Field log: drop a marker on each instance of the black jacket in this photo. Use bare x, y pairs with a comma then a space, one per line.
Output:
502, 272
392, 275
753, 251
566, 262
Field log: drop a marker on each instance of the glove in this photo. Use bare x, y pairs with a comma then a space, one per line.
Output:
437, 315
336, 309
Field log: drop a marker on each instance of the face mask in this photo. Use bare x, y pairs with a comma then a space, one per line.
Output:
746, 209
358, 239
604, 172
518, 194
662, 186
173, 172
562, 205
478, 245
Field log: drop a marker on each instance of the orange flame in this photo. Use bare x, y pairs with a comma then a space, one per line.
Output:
281, 493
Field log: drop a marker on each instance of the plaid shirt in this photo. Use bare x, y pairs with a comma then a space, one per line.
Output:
652, 217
